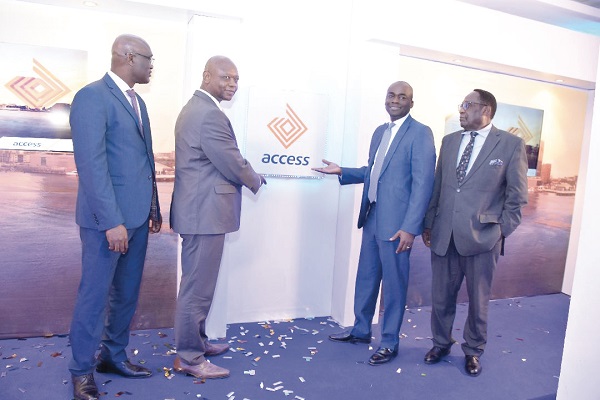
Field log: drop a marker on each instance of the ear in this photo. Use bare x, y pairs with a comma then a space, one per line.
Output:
206, 77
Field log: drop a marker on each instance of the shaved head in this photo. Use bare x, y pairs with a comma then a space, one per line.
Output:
220, 78
131, 59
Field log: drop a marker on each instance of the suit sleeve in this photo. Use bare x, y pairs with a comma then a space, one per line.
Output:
437, 188
88, 119
516, 190
422, 166
352, 175
221, 149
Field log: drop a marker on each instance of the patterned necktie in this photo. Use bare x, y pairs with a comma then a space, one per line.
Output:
461, 170
376, 171
134, 103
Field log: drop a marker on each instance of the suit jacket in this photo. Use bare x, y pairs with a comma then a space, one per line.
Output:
209, 171
487, 205
405, 182
114, 162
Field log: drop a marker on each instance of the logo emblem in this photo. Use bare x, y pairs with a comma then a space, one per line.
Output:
38, 92
287, 130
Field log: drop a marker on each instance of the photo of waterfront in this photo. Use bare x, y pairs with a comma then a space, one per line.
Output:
41, 257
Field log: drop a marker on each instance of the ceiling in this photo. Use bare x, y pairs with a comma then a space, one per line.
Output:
578, 15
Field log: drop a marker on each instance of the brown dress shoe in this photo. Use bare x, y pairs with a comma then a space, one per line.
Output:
204, 370
84, 387
214, 349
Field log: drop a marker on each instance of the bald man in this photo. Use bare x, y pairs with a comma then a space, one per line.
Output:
209, 175
397, 184
117, 206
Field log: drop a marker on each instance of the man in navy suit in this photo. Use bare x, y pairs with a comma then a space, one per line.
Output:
117, 206
398, 182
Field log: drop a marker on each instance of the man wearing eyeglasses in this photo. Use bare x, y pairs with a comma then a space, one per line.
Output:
117, 206
480, 188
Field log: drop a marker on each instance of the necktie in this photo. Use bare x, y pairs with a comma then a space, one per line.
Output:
461, 170
376, 171
134, 103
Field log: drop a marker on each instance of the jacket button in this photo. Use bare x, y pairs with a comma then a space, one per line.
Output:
458, 190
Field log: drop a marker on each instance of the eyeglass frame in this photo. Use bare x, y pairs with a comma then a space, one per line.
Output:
465, 105
149, 58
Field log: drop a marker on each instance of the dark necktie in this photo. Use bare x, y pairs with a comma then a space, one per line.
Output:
461, 170
134, 103
378, 164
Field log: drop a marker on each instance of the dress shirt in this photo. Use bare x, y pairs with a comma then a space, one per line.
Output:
398, 123
479, 140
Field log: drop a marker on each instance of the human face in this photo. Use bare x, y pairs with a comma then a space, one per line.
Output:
221, 81
142, 59
398, 100
476, 116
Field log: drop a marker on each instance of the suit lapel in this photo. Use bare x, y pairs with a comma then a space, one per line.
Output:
453, 148
394, 145
120, 96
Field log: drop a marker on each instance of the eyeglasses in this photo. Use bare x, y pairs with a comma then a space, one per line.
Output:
149, 58
466, 104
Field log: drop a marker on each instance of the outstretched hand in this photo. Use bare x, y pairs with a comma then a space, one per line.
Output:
330, 168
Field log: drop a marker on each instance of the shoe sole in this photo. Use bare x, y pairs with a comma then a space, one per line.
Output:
352, 341
440, 358
181, 371
117, 372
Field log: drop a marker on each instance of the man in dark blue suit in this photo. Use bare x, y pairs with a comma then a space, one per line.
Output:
117, 206
398, 182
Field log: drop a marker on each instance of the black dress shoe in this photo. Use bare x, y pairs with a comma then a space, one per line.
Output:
347, 337
123, 368
472, 365
436, 354
84, 387
382, 355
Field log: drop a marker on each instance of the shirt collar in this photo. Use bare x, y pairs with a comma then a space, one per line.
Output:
124, 87
212, 98
483, 132
398, 123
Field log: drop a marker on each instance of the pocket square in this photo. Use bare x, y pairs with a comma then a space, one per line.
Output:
496, 162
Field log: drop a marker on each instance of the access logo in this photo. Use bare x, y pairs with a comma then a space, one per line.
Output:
287, 130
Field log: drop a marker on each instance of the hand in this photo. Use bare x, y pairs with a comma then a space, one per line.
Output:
330, 168
406, 240
426, 236
156, 225
117, 239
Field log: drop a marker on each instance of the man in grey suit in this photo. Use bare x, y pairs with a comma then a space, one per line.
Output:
117, 205
480, 188
209, 175
398, 181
